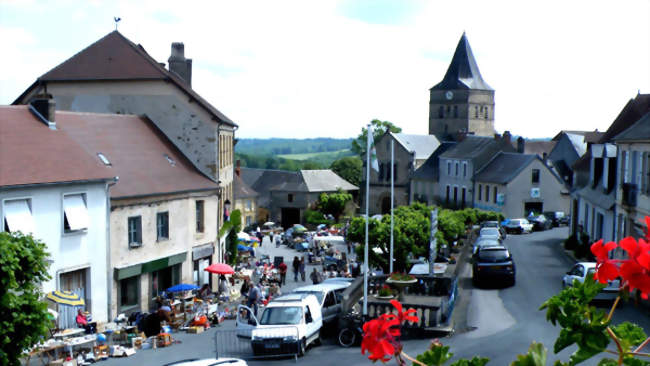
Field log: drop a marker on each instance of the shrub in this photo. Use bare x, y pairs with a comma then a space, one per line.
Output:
316, 218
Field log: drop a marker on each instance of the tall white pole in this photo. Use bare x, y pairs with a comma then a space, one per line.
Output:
392, 189
365, 248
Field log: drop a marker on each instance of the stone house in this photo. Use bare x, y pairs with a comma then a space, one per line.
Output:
163, 210
53, 188
245, 200
425, 179
458, 165
115, 75
410, 152
516, 184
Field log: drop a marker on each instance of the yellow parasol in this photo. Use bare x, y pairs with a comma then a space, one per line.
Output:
65, 298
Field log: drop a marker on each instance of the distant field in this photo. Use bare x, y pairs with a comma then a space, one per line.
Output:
306, 156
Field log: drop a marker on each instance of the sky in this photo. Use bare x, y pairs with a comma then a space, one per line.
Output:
327, 68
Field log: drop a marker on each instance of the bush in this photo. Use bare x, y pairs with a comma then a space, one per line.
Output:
316, 218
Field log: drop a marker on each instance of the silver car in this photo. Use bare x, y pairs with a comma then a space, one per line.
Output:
581, 270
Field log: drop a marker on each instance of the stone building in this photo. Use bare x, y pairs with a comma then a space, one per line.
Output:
245, 200
462, 101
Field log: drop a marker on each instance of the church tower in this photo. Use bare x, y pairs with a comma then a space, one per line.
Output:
462, 101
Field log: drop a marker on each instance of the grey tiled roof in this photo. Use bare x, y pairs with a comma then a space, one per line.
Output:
463, 71
422, 145
241, 189
478, 149
597, 197
638, 131
504, 167
263, 180
429, 169
632, 112
325, 180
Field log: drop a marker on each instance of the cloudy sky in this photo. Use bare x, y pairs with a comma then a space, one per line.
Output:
326, 68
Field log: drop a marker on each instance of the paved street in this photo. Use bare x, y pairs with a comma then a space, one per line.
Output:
495, 323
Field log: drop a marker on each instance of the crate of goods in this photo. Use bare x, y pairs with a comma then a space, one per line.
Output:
195, 330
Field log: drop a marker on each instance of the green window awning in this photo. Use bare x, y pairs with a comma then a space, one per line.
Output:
152, 266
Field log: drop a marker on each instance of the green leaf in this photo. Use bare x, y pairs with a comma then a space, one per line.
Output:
437, 355
629, 335
607, 362
536, 356
475, 361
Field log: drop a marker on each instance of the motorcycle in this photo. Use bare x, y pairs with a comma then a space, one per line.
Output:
351, 331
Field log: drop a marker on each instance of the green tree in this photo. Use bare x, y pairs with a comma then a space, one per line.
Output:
24, 320
233, 227
333, 203
348, 168
378, 128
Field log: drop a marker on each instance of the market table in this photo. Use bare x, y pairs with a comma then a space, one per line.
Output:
51, 351
68, 333
71, 343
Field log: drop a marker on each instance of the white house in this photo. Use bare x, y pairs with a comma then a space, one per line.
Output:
54, 189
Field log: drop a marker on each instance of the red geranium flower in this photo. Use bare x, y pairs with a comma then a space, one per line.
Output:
404, 315
636, 269
606, 269
379, 338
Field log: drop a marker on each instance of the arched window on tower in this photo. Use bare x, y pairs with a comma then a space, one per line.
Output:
441, 112
455, 111
448, 109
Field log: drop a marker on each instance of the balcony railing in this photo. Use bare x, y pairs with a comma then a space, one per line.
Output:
629, 194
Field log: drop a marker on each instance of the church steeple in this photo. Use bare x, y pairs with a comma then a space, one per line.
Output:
463, 72
462, 101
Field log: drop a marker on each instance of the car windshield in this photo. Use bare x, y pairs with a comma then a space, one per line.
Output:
490, 224
514, 222
489, 231
281, 315
319, 294
494, 255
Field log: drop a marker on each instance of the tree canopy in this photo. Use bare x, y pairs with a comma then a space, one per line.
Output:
348, 168
25, 321
378, 128
333, 203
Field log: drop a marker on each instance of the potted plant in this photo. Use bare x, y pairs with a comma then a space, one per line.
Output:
401, 281
385, 292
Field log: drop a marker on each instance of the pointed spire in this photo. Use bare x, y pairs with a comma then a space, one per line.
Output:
463, 72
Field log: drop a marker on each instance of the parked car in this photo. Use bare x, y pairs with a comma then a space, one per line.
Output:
581, 270
490, 232
209, 362
519, 226
493, 263
329, 297
485, 242
288, 325
557, 218
541, 223
496, 225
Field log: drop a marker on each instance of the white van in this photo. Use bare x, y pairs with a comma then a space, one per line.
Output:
287, 325
329, 297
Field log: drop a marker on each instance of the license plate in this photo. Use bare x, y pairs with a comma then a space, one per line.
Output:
272, 345
498, 267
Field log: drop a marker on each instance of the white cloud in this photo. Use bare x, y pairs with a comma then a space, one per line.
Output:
305, 69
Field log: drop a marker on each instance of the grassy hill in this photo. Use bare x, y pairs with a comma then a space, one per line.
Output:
317, 155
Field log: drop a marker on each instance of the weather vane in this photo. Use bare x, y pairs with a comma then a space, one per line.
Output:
117, 20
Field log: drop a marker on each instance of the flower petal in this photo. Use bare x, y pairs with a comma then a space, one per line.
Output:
397, 305
629, 244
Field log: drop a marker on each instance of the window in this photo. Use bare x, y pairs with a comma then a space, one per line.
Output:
480, 190
199, 216
387, 173
464, 170
381, 171
634, 177
625, 158
395, 171
165, 278
330, 300
646, 174
441, 112
162, 225
447, 199
476, 112
495, 194
103, 158
129, 292
249, 205
456, 168
18, 216
455, 111
535, 176
448, 168
75, 213
599, 225
249, 220
486, 113
462, 196
455, 195
135, 231
487, 193
290, 197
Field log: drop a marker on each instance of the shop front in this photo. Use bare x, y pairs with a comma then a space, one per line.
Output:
201, 259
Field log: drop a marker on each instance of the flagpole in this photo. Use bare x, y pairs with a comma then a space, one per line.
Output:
392, 185
365, 248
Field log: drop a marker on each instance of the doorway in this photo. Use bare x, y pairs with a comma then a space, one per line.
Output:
385, 205
290, 216
535, 207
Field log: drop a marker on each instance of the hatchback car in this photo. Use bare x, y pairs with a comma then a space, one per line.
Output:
519, 226
581, 270
493, 263
485, 242
490, 232
495, 224
557, 218
541, 223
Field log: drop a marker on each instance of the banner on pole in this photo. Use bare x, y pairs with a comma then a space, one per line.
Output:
432, 240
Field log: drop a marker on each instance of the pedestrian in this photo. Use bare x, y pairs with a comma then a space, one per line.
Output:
277, 240
296, 268
283, 273
349, 247
271, 237
315, 277
254, 296
223, 286
245, 287
301, 267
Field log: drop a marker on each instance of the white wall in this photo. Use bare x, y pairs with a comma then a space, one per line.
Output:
73, 251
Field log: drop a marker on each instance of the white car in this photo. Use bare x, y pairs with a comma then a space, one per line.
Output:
329, 297
519, 226
288, 325
490, 232
209, 362
580, 271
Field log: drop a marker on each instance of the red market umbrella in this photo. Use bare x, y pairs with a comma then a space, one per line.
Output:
220, 268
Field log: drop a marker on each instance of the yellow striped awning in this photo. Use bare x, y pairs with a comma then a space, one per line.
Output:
65, 298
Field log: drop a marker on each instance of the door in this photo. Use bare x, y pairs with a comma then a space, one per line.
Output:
576, 273
330, 307
290, 216
246, 321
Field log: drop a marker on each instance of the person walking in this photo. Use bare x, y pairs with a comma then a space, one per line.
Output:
254, 297
315, 277
301, 267
296, 268
283, 273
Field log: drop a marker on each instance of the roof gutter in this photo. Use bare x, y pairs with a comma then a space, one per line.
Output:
31, 185
164, 193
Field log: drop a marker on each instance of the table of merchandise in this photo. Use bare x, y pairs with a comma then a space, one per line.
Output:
68, 333
49, 349
71, 343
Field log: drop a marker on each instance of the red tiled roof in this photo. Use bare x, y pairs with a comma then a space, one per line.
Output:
114, 57
136, 150
31, 153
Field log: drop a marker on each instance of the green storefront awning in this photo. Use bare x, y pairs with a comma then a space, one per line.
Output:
152, 266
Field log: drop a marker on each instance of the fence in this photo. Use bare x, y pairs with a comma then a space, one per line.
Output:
231, 343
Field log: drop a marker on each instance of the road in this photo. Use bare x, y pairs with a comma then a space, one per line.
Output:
494, 323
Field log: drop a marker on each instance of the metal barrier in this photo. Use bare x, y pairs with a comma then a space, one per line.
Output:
265, 343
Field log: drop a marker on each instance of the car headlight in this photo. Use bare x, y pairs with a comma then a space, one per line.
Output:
290, 339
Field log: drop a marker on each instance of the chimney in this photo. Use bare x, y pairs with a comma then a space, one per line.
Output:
179, 64
238, 168
460, 135
44, 107
520, 145
507, 136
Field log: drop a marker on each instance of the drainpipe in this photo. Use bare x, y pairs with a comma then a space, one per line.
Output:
109, 277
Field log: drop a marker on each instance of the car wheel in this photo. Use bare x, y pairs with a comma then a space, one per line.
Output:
318, 341
347, 337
